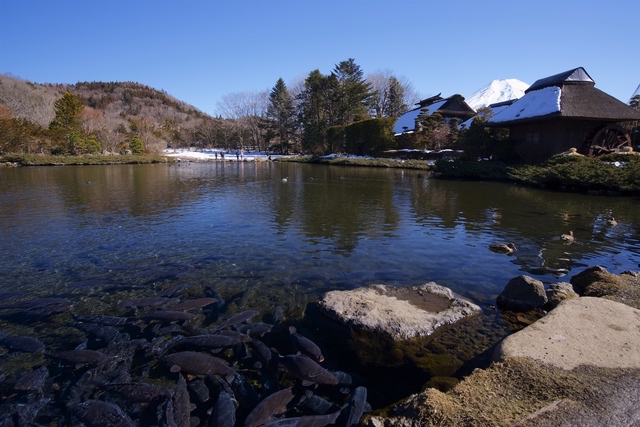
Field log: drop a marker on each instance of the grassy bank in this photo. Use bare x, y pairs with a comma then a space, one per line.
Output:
360, 161
39, 160
611, 174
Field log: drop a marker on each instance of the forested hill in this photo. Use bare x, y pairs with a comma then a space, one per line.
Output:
118, 101
112, 113
133, 99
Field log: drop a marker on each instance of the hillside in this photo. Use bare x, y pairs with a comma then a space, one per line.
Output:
112, 113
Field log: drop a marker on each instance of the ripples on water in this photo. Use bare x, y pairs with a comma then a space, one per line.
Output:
261, 241
324, 228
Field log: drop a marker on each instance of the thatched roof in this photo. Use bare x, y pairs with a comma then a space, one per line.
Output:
587, 102
570, 94
577, 75
454, 106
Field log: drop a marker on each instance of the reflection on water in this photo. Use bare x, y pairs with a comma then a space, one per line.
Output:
243, 226
98, 235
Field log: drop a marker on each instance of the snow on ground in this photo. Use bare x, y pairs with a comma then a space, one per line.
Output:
216, 154
233, 155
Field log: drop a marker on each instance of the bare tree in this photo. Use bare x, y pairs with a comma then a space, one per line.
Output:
246, 109
27, 101
392, 95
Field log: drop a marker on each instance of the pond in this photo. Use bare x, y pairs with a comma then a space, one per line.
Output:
269, 234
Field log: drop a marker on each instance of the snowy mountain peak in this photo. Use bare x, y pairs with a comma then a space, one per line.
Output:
497, 91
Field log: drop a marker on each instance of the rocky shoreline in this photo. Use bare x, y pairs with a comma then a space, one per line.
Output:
577, 365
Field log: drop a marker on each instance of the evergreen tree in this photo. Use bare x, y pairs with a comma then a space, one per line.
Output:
395, 100
315, 111
65, 126
281, 114
136, 145
351, 93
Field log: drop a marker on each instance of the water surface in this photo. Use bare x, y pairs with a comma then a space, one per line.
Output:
241, 225
272, 234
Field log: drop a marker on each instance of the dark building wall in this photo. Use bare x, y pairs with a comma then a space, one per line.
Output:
536, 142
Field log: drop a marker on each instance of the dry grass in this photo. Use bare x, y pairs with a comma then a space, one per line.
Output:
510, 392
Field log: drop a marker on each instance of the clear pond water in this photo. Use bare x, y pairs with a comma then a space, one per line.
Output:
269, 234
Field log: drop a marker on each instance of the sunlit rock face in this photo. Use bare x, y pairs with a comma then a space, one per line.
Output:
399, 312
580, 331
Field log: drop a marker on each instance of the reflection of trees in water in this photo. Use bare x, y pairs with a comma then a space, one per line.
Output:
341, 209
531, 218
335, 206
133, 190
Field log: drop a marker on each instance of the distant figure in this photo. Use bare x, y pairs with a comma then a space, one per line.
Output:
215, 153
237, 155
222, 155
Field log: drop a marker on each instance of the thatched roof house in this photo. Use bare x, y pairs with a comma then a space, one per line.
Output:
494, 109
564, 111
448, 108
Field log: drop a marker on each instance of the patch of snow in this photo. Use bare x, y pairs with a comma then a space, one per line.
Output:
214, 154
467, 123
497, 91
536, 103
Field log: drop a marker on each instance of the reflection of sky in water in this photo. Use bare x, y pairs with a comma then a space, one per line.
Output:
325, 228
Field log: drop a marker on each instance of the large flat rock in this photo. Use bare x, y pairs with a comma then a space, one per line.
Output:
400, 312
580, 331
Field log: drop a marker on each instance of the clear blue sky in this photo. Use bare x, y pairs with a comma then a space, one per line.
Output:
200, 50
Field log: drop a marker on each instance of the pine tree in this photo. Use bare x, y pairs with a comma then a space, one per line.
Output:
281, 114
65, 126
315, 111
352, 92
395, 101
136, 145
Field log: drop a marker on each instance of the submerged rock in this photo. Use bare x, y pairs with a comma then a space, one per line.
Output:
400, 312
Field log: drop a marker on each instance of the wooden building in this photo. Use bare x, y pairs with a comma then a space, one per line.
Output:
565, 111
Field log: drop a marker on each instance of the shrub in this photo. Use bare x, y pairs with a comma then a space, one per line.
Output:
580, 173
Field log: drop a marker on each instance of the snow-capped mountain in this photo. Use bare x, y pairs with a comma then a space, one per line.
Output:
497, 91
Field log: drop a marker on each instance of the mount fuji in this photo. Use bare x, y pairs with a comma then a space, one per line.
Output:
497, 91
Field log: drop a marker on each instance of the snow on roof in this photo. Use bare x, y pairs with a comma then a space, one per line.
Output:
538, 103
495, 109
408, 119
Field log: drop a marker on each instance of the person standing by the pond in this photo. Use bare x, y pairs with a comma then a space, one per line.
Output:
237, 155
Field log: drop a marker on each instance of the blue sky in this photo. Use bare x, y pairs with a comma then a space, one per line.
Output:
201, 50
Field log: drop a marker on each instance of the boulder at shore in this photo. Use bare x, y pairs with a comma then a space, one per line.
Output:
522, 293
580, 331
399, 312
